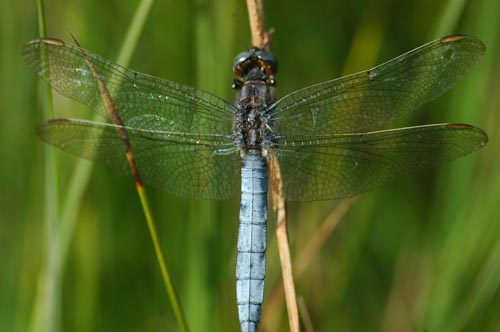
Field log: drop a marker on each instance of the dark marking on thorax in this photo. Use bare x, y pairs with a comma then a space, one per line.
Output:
252, 125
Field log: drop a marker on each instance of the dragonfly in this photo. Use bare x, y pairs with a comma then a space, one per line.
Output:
331, 139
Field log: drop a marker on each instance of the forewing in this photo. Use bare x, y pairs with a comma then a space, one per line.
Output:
372, 99
188, 166
337, 166
142, 101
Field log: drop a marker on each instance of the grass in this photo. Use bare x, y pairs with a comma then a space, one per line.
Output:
422, 253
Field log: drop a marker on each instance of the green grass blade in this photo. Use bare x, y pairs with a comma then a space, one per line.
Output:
134, 31
47, 305
449, 18
462, 291
83, 170
167, 279
46, 315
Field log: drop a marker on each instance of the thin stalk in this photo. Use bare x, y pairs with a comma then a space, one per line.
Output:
115, 117
262, 39
83, 169
283, 243
256, 18
303, 260
46, 317
167, 279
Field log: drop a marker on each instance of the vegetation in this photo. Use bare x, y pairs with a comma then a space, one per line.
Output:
421, 254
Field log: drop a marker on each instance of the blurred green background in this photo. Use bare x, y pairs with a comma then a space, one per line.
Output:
421, 254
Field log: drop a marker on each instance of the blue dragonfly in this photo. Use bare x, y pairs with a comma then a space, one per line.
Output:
331, 139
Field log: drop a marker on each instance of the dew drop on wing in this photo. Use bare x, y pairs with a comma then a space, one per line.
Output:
82, 71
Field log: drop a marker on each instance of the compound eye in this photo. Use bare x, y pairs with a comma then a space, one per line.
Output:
255, 58
265, 56
241, 63
269, 60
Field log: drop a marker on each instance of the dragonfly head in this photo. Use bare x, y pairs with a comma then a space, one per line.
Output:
257, 63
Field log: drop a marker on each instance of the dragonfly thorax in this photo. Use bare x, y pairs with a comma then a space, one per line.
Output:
253, 129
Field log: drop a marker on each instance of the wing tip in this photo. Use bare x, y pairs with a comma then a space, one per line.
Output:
458, 37
41, 129
32, 47
481, 134
453, 38
48, 41
59, 121
53, 41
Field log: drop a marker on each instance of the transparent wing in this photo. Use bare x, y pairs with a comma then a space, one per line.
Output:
372, 99
319, 167
188, 166
142, 101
